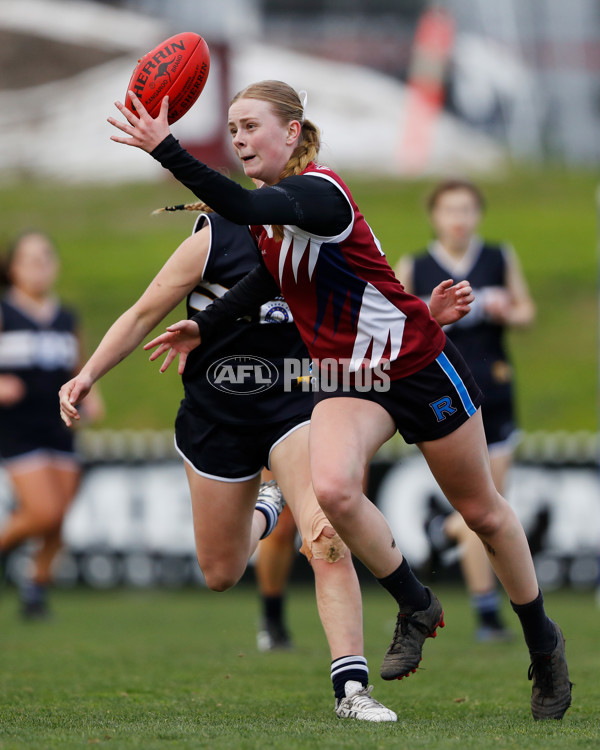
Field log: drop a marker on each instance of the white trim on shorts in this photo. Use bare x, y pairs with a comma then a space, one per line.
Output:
42, 457
212, 476
505, 446
282, 438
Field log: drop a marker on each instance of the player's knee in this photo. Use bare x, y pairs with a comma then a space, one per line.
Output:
328, 546
334, 493
48, 521
218, 577
218, 581
483, 522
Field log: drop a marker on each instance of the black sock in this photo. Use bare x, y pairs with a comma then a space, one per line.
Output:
33, 593
348, 668
273, 608
406, 588
487, 607
4, 553
539, 632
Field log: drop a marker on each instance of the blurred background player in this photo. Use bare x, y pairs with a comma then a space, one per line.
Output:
39, 348
502, 300
272, 567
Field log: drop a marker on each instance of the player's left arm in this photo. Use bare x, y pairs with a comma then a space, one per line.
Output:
309, 202
93, 409
513, 305
174, 281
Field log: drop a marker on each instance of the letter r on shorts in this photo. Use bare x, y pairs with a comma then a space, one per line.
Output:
442, 408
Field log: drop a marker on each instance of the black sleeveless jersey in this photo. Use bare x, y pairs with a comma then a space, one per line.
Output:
481, 342
44, 356
239, 377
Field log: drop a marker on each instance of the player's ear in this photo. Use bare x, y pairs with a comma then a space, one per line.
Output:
294, 130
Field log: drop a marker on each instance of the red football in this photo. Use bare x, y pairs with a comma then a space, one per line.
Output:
178, 67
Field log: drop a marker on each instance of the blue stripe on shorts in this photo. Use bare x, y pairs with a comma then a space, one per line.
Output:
457, 382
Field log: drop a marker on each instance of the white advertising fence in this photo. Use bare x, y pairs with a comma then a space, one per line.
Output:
131, 523
554, 489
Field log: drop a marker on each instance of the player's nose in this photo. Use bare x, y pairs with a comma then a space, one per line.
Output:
238, 140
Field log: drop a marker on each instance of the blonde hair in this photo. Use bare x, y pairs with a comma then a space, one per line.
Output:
286, 106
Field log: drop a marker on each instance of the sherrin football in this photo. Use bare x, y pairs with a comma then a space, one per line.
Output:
178, 67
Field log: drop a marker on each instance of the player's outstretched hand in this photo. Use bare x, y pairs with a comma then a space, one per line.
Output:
144, 132
70, 395
180, 339
450, 303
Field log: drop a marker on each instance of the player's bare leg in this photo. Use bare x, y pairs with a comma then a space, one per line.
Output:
340, 605
480, 581
227, 527
43, 490
345, 434
474, 563
476, 569
338, 594
460, 463
39, 503
67, 478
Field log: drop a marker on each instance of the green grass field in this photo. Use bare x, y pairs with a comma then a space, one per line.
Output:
111, 248
180, 669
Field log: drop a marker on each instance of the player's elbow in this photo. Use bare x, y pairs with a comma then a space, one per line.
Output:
524, 315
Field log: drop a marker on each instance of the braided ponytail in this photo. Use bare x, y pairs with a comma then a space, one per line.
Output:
306, 151
199, 206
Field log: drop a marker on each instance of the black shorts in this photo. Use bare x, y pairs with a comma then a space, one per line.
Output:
16, 442
429, 404
499, 423
229, 453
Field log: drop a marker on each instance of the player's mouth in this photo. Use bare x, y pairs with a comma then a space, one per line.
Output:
247, 159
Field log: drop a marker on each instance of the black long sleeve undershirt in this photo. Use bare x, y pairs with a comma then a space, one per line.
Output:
251, 292
309, 202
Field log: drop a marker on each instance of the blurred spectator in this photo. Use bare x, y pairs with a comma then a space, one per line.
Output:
502, 300
39, 349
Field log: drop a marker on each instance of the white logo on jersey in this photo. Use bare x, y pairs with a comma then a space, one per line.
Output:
275, 311
242, 375
47, 350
